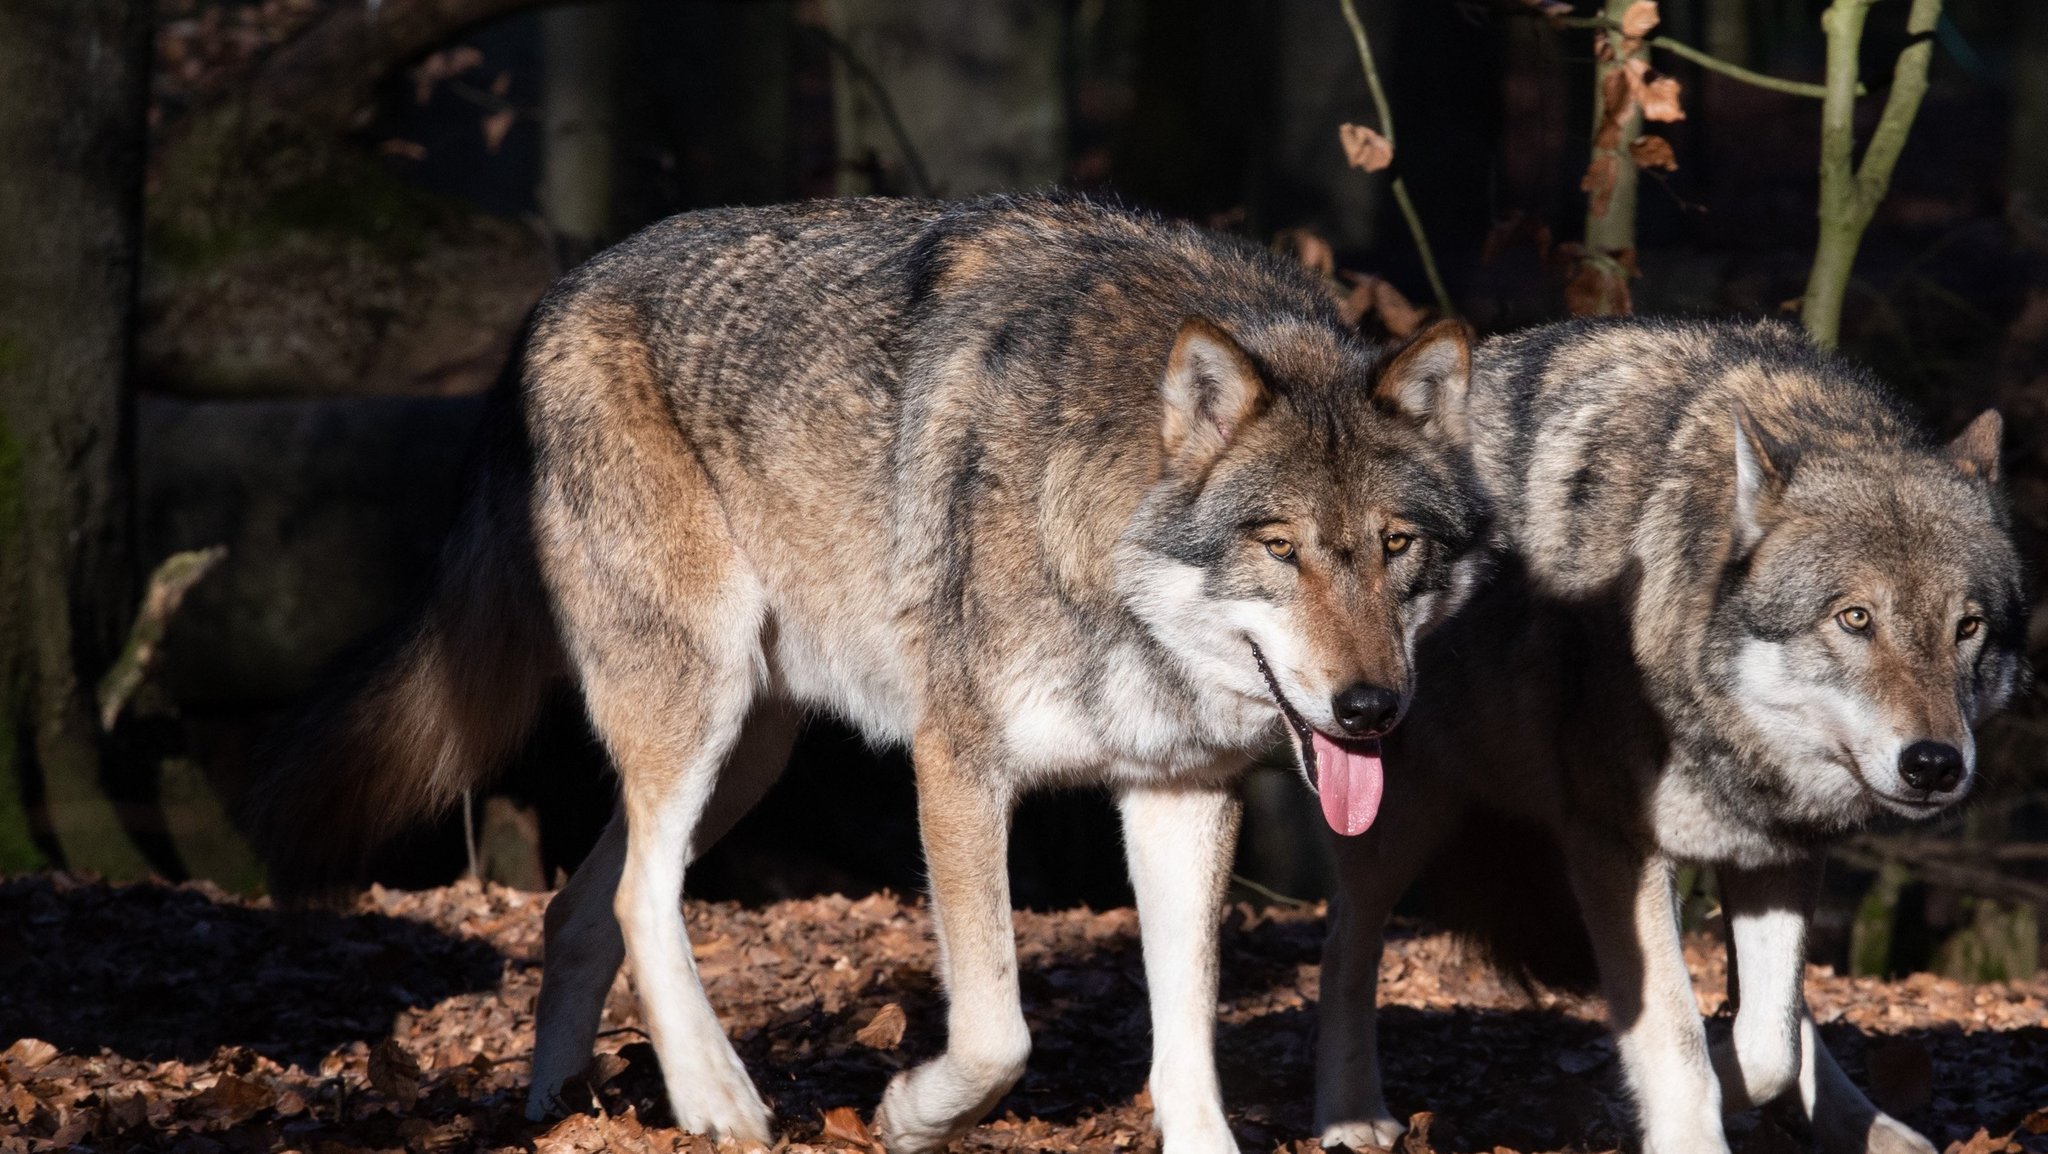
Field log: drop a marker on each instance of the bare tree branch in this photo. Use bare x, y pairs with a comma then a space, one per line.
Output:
1849, 195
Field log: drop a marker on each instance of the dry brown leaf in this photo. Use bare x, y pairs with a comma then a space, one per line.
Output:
1639, 19
576, 1134
495, 126
395, 1073
1652, 151
1660, 100
1416, 1140
1549, 9
124, 1112
843, 1124
884, 1031
29, 1054
1365, 148
1983, 1142
1598, 182
2036, 1122
233, 1101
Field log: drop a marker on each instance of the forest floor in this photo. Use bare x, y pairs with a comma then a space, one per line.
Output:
156, 1017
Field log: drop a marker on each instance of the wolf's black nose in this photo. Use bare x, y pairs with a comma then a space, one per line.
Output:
1367, 710
1935, 766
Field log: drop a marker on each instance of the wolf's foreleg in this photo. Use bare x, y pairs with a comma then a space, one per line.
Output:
1775, 1046
963, 813
1373, 870
1631, 912
1179, 843
1844, 1121
1767, 913
583, 946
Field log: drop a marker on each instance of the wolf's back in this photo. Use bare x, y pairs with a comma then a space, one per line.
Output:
1592, 433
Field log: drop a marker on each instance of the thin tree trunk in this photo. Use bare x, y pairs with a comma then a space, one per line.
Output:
73, 85
1850, 194
1611, 222
581, 53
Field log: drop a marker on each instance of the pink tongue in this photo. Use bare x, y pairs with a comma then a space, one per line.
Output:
1350, 778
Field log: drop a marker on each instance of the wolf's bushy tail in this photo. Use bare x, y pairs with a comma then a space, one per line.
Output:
438, 709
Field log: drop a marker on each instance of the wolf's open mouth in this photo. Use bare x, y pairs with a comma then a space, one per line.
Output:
1348, 776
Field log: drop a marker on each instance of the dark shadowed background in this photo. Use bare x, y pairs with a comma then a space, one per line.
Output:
347, 206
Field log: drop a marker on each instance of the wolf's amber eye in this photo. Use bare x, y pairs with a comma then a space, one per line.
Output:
1397, 543
1281, 548
1856, 619
1968, 627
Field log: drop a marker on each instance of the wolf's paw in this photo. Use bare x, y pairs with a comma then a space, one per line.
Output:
713, 1096
1206, 1136
1371, 1134
1888, 1135
925, 1108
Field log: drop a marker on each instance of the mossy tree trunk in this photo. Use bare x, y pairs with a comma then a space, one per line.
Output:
73, 91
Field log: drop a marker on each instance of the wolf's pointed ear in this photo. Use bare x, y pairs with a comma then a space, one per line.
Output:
1430, 377
1975, 450
1211, 389
1763, 467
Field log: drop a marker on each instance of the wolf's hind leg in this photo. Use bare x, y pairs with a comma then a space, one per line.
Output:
1631, 911
584, 947
1373, 870
1180, 842
963, 813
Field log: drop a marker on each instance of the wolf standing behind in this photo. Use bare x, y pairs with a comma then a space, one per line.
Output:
1749, 609
1051, 492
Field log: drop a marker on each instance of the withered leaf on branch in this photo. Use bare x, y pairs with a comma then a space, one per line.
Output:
1365, 148
1639, 19
1652, 151
1598, 288
1660, 100
1371, 294
495, 126
1551, 9
1311, 250
444, 65
1598, 183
